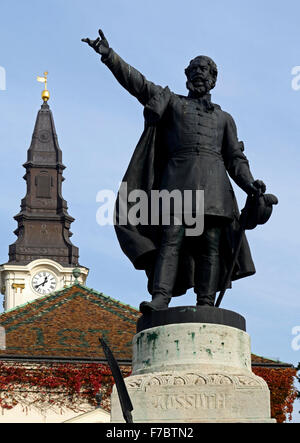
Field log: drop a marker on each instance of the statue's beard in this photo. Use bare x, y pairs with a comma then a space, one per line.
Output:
201, 90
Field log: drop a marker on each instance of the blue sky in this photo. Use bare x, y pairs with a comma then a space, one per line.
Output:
255, 45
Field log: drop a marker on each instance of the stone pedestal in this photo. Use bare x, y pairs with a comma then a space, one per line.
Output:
194, 372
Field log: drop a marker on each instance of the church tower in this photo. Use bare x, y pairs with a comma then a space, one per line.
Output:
43, 258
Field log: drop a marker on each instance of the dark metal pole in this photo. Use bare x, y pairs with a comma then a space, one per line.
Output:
124, 398
229, 275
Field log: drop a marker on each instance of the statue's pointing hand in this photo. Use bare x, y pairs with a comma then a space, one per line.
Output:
100, 45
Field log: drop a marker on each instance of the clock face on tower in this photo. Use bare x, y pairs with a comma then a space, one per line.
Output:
43, 282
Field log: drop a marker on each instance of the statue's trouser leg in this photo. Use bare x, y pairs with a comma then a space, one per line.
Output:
166, 265
207, 266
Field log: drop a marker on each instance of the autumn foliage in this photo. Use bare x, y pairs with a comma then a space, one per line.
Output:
57, 385
71, 386
283, 392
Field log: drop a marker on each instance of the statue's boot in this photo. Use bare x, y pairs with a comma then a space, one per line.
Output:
206, 299
207, 279
165, 271
159, 303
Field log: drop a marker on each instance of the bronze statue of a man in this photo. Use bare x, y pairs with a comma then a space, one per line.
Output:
189, 143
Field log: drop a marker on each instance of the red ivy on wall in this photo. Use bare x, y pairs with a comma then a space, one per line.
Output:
69, 386
283, 392
57, 385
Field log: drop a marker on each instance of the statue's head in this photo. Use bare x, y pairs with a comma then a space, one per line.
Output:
202, 74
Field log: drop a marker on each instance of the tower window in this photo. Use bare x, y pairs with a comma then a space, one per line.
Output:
43, 186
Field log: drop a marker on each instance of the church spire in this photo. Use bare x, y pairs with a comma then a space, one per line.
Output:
43, 222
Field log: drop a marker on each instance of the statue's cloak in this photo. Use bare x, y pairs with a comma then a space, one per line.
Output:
141, 243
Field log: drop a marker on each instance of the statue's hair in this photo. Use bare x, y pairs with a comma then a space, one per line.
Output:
212, 65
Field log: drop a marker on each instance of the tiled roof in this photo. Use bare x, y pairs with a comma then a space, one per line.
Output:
257, 360
68, 323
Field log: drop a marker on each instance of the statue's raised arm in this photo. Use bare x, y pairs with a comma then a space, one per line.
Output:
131, 79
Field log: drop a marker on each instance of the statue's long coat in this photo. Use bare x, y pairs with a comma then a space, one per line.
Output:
150, 168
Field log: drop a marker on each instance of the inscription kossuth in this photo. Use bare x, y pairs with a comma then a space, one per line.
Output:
190, 401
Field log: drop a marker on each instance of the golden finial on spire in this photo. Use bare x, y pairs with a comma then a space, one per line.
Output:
45, 93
